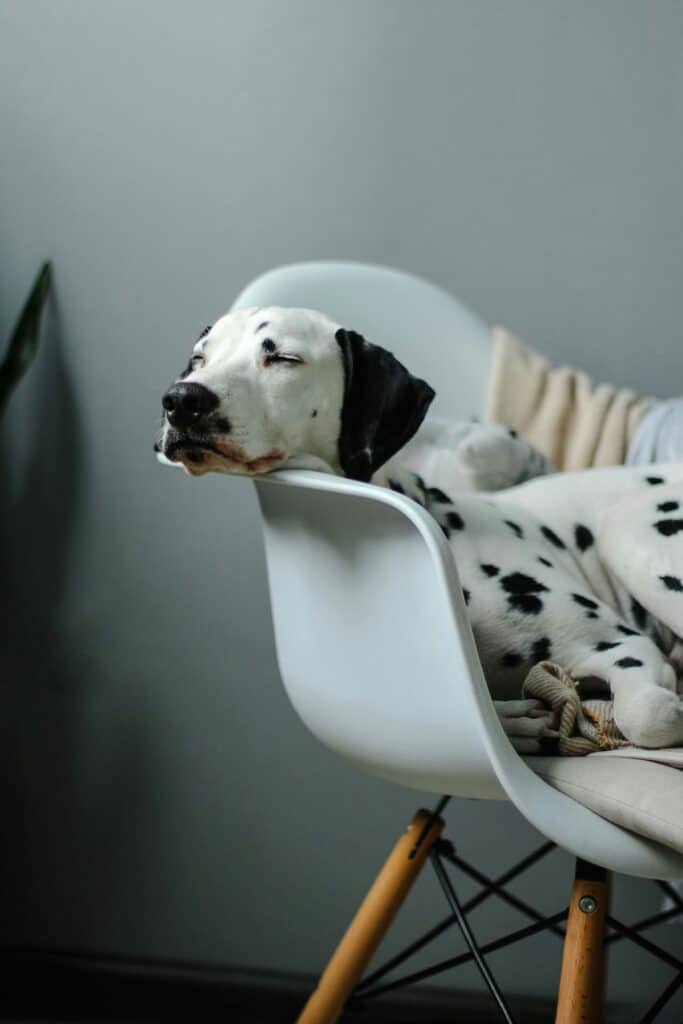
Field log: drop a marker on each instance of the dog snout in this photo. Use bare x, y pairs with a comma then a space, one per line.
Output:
186, 404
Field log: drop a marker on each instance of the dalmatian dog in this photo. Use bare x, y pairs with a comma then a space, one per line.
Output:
577, 567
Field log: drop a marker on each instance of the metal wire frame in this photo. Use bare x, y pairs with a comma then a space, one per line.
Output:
443, 851
669, 890
468, 935
456, 961
661, 1002
490, 886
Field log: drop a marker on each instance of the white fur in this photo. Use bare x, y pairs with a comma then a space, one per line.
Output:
270, 406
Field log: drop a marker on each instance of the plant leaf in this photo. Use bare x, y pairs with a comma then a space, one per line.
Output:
23, 343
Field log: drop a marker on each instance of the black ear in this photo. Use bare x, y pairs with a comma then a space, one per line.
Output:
383, 405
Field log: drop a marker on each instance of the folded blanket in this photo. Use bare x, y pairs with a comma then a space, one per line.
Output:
573, 421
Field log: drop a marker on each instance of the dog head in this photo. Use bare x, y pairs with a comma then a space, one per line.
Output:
271, 387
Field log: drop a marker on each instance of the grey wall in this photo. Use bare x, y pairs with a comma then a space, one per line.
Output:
161, 796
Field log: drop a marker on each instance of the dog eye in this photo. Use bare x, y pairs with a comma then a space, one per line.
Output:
279, 357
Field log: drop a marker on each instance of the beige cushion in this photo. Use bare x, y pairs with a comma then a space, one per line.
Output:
637, 789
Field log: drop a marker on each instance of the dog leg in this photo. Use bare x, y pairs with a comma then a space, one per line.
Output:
526, 723
647, 708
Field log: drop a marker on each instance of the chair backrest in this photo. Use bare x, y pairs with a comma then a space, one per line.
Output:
425, 327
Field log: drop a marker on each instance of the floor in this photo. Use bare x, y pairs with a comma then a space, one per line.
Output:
53, 988
47, 987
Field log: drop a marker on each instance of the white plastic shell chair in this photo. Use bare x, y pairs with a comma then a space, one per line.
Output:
373, 642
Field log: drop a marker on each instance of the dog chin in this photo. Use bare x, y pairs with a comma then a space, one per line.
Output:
197, 459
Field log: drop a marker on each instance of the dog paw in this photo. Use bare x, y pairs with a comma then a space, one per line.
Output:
527, 724
652, 718
495, 458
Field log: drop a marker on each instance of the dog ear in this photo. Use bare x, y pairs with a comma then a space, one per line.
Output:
383, 405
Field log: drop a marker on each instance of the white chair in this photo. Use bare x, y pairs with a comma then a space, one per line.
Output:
376, 652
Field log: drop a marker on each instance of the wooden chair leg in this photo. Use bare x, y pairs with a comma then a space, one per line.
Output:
582, 982
372, 921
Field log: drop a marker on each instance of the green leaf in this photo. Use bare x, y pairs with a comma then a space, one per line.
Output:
23, 343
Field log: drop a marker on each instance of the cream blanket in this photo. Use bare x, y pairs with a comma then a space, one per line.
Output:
573, 421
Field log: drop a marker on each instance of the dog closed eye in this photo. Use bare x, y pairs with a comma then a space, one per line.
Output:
280, 357
273, 356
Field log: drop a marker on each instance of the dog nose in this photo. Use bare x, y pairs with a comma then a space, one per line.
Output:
185, 404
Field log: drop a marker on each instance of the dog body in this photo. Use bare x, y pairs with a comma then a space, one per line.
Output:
575, 567
542, 578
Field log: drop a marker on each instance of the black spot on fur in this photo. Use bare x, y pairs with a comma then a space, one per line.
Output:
314, 414
520, 583
552, 537
490, 570
654, 480
628, 663
583, 537
437, 495
544, 561
522, 591
585, 602
668, 527
529, 604
605, 645
396, 486
540, 650
592, 615
515, 528
639, 614
205, 332
627, 631
466, 594
513, 433
268, 345
511, 659
454, 521
668, 506
672, 582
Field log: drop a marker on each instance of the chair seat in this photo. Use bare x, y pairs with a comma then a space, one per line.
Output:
639, 790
